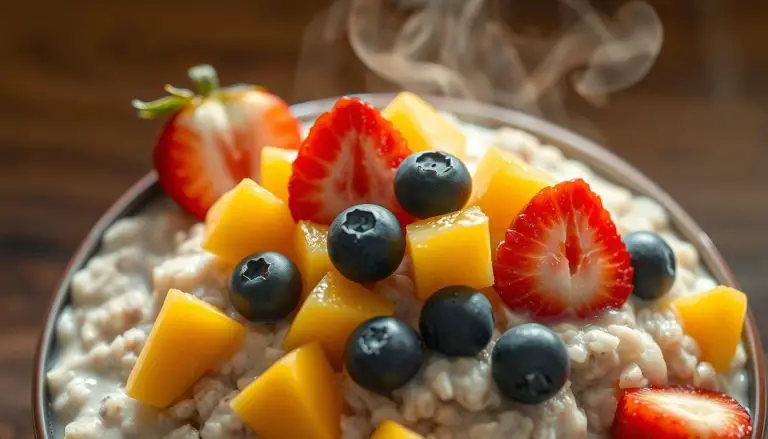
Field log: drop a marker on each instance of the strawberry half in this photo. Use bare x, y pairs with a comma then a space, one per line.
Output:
562, 256
214, 139
679, 413
349, 157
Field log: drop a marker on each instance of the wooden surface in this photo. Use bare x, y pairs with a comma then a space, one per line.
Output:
70, 144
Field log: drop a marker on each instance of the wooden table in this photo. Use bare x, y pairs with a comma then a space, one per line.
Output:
70, 144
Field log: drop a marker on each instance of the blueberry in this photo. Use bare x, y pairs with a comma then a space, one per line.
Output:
265, 287
432, 183
457, 321
383, 354
529, 363
366, 243
654, 263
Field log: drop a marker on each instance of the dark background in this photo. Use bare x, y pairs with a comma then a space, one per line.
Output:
70, 144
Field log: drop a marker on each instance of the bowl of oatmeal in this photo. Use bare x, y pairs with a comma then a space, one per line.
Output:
129, 274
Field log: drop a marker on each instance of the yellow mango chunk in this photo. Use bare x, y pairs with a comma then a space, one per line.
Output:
297, 397
715, 319
276, 168
334, 308
452, 249
422, 126
189, 338
311, 254
392, 430
246, 220
502, 185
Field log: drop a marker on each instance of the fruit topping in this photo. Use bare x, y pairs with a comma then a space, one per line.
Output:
383, 354
653, 262
189, 338
423, 126
265, 287
297, 397
247, 220
457, 321
562, 256
349, 157
331, 312
679, 412
503, 185
276, 168
715, 319
452, 249
392, 430
432, 183
529, 363
366, 243
311, 252
214, 139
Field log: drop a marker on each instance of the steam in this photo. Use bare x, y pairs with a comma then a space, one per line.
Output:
461, 48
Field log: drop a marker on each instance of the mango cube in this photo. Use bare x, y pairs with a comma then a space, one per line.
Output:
276, 169
311, 253
297, 397
334, 308
715, 319
189, 338
422, 126
453, 249
246, 220
503, 185
392, 430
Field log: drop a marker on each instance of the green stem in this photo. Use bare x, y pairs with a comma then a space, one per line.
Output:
205, 79
159, 107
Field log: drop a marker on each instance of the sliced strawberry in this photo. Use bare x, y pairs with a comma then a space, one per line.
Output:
349, 157
679, 413
562, 256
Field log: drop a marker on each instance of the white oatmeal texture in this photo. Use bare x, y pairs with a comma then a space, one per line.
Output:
116, 296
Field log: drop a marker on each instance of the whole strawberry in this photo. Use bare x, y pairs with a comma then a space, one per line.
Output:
214, 137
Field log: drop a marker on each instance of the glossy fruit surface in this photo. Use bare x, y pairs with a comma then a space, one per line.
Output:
265, 287
457, 321
432, 183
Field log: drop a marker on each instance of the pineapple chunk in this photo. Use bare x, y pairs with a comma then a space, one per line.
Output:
503, 185
276, 169
297, 397
392, 430
247, 220
452, 249
715, 319
422, 126
189, 338
334, 308
311, 254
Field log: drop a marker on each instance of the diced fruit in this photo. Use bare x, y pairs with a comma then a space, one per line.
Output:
248, 220
392, 430
562, 256
366, 243
276, 168
432, 183
654, 263
297, 397
331, 312
265, 287
457, 321
214, 139
530, 363
383, 354
349, 157
678, 412
189, 338
714, 319
503, 185
452, 249
311, 252
423, 126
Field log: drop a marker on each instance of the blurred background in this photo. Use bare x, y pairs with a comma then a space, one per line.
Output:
70, 144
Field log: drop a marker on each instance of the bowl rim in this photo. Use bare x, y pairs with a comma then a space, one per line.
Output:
574, 145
